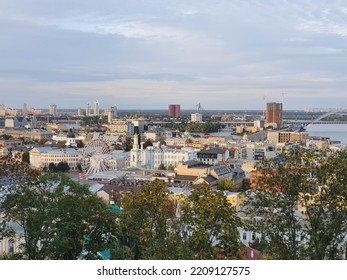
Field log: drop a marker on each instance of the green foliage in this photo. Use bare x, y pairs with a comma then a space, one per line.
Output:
171, 167
162, 167
145, 224
205, 127
56, 214
305, 180
151, 229
226, 185
6, 137
128, 144
62, 166
26, 157
209, 218
52, 167
79, 167
80, 144
147, 143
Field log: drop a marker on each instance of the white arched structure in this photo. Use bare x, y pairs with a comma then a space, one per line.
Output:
326, 115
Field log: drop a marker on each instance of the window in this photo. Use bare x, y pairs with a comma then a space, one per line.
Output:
10, 246
253, 235
244, 236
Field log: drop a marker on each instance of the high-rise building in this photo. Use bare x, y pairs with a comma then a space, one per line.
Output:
24, 109
274, 115
112, 113
87, 110
53, 110
80, 112
196, 117
174, 110
96, 108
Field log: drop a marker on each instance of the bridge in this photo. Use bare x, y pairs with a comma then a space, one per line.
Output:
319, 119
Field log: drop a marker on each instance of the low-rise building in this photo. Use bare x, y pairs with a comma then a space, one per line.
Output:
41, 157
32, 134
287, 136
121, 127
196, 117
213, 156
236, 199
118, 160
155, 156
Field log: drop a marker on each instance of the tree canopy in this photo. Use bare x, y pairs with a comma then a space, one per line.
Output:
156, 224
299, 205
57, 215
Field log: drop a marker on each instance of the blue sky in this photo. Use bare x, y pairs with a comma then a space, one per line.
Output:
145, 54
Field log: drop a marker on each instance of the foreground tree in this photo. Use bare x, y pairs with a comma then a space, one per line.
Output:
210, 224
145, 223
57, 215
299, 205
326, 211
156, 224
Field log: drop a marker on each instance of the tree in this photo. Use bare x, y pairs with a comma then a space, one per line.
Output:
6, 136
63, 166
26, 157
162, 166
301, 179
147, 143
79, 167
57, 215
226, 185
326, 210
52, 167
210, 224
128, 145
80, 144
146, 224
156, 224
171, 167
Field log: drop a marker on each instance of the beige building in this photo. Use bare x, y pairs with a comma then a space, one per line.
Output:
242, 128
10, 246
41, 157
191, 168
287, 136
121, 127
33, 134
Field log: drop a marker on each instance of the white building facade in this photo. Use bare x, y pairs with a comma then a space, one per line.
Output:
152, 157
41, 157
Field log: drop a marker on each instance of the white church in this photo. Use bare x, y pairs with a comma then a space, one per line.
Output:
153, 156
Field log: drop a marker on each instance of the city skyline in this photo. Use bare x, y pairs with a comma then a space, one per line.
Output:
227, 55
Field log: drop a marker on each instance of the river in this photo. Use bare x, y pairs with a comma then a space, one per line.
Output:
337, 132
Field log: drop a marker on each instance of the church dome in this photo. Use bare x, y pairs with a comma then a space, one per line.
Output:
70, 134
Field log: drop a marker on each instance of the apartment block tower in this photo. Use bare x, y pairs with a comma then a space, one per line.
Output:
53, 109
96, 108
274, 114
87, 110
174, 110
25, 110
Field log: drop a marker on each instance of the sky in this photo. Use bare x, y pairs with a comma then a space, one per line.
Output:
146, 54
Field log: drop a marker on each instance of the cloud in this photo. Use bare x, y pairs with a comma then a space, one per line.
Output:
227, 54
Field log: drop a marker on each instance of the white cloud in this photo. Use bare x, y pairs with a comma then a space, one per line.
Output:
188, 50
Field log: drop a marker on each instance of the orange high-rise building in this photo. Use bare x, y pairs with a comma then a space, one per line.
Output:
274, 115
174, 110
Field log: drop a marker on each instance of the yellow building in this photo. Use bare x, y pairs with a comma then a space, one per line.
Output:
236, 199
